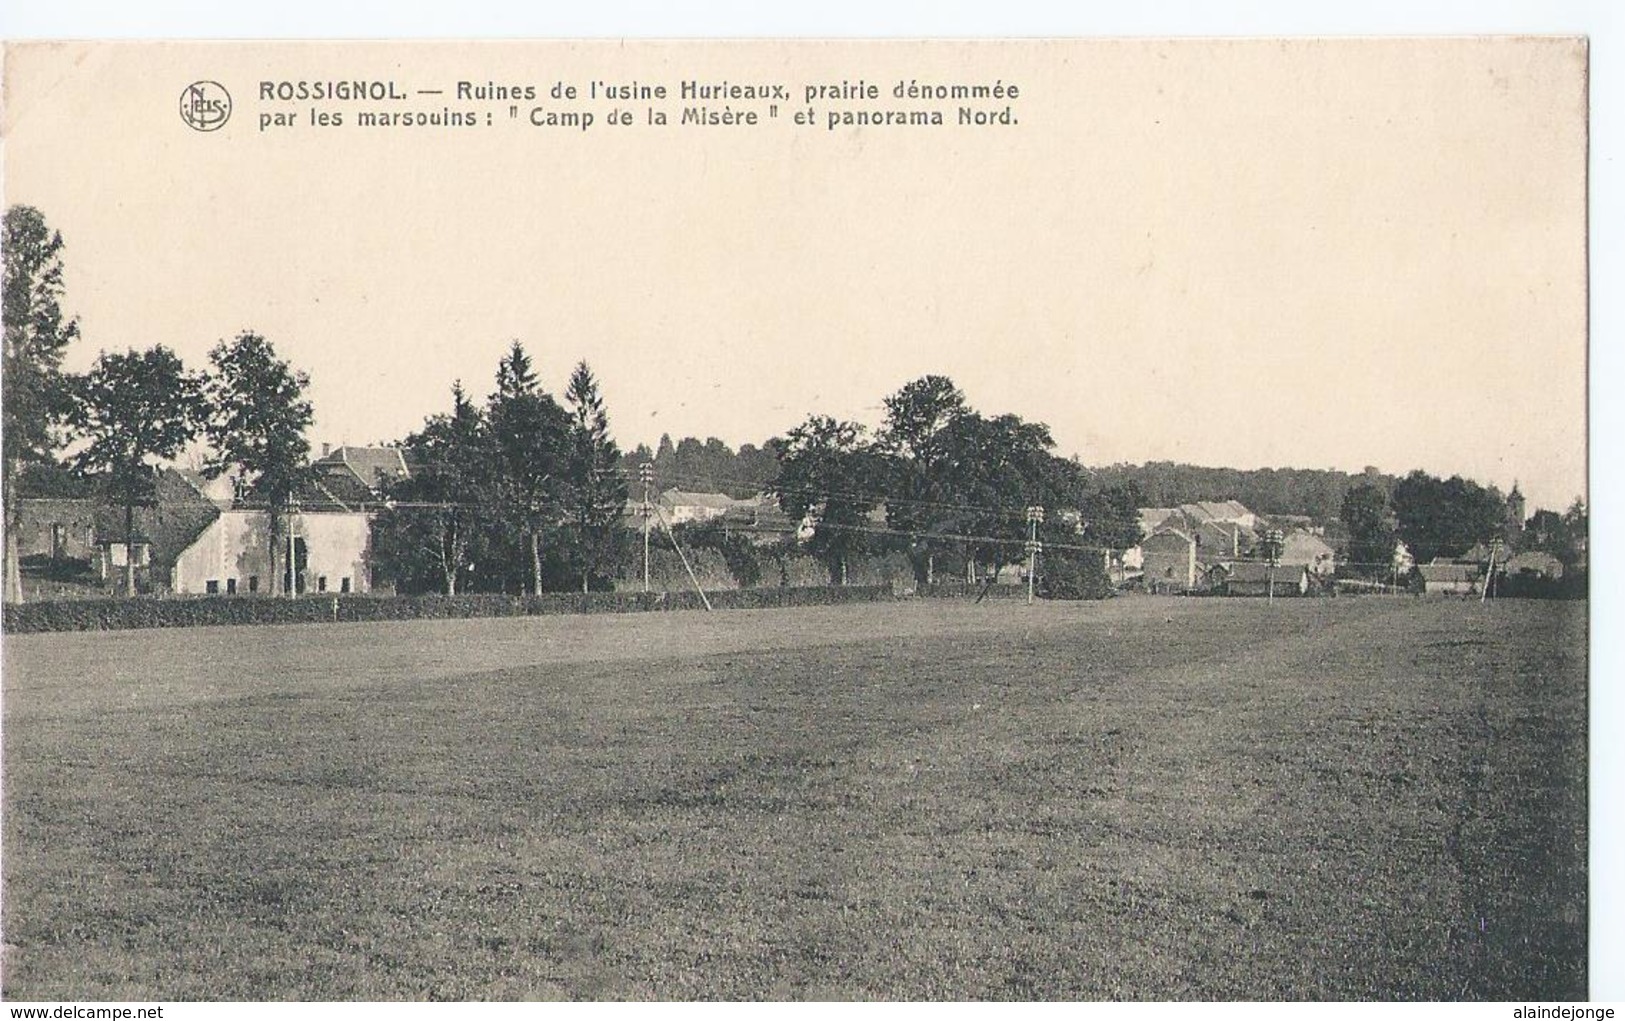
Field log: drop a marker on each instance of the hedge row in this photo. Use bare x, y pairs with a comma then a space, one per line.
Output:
123, 614
963, 590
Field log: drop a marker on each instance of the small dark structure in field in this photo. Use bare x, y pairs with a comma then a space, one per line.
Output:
1449, 579
1251, 579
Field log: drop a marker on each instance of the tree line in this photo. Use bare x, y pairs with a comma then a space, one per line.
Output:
496, 484
939, 480
522, 492
1447, 518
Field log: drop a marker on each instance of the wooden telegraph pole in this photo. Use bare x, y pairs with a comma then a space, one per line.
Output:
646, 472
1489, 573
293, 562
1274, 541
1034, 516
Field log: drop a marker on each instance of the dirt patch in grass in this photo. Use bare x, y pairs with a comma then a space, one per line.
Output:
1140, 799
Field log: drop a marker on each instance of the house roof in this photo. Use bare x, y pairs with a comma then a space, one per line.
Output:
1538, 559
1171, 532
350, 478
336, 491
710, 501
1217, 533
1216, 510
1152, 517
1304, 548
374, 466
178, 515
219, 490
1449, 572
55, 509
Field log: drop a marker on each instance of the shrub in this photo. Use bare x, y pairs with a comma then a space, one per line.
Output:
1074, 578
123, 614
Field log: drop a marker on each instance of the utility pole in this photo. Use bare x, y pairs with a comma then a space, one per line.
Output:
1274, 540
646, 472
1034, 516
684, 558
1489, 574
293, 575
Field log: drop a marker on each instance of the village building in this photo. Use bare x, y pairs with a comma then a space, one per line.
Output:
1227, 511
57, 529
181, 508
1449, 579
1250, 578
1218, 542
1534, 563
759, 519
211, 537
683, 507
1168, 561
1310, 551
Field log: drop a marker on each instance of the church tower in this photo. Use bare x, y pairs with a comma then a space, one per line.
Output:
1515, 514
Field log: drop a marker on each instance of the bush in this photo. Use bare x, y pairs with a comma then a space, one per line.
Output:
1526, 586
965, 590
1074, 578
124, 614
736, 551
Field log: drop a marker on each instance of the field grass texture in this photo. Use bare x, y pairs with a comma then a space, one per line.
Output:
1143, 798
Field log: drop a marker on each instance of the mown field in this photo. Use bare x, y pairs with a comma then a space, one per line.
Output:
1149, 799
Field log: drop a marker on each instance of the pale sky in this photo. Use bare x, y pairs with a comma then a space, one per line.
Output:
1307, 254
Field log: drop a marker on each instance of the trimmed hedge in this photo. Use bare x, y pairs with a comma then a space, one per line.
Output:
211, 611
964, 590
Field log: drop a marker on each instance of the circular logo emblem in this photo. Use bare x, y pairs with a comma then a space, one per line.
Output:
205, 106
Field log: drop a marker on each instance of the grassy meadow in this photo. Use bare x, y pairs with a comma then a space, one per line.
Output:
1146, 798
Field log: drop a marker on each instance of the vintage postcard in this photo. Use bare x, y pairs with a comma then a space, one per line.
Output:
938, 520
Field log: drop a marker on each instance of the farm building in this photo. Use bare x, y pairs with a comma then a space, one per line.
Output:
1228, 511
1168, 560
1255, 579
1448, 579
330, 532
361, 473
60, 529
1219, 541
1535, 563
1222, 530
232, 554
681, 506
1309, 550
181, 509
759, 519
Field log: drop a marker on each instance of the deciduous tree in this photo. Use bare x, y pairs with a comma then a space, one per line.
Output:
129, 410
258, 414
1111, 517
1370, 523
827, 472
37, 333
1444, 517
915, 447
430, 530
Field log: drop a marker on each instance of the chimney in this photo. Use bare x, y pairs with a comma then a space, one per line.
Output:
327, 448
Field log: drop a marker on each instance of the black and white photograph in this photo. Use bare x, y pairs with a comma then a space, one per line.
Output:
957, 519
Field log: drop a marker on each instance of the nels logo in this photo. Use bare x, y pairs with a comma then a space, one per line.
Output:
205, 106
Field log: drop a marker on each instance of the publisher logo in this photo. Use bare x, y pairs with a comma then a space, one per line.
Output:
205, 106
